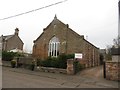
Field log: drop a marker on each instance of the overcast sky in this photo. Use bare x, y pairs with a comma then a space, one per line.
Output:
97, 19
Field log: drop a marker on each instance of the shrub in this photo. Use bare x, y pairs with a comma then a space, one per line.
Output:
13, 63
69, 56
8, 56
56, 62
32, 65
62, 60
47, 62
38, 62
78, 66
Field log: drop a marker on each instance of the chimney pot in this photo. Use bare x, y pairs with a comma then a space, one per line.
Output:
16, 31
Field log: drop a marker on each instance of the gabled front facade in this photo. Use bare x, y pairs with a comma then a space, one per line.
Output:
11, 42
57, 38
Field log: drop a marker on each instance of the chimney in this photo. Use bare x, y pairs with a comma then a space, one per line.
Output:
67, 25
16, 31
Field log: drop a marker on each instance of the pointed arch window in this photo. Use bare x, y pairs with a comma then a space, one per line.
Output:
54, 45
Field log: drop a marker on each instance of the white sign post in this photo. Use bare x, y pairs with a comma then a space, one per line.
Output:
78, 55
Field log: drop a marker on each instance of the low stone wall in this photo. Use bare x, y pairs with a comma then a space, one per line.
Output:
25, 60
69, 70
6, 63
52, 70
113, 70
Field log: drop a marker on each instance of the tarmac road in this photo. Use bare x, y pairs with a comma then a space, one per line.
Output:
23, 78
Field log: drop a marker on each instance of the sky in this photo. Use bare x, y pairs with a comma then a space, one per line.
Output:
97, 20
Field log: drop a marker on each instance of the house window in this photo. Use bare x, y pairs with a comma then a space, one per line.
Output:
54, 45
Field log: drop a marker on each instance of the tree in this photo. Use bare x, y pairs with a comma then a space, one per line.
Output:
116, 42
108, 53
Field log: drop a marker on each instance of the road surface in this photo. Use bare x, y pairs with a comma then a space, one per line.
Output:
23, 78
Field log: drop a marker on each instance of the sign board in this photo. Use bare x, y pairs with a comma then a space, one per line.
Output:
78, 55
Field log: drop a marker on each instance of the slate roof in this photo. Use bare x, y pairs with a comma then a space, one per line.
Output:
7, 37
56, 20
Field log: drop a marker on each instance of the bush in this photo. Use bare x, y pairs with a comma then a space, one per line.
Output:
59, 62
32, 65
78, 66
8, 56
54, 62
13, 63
39, 62
47, 63
62, 60
69, 56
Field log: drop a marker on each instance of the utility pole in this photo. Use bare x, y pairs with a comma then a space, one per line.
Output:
119, 22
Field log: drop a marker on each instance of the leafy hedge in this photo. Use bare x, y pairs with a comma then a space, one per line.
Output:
8, 56
59, 62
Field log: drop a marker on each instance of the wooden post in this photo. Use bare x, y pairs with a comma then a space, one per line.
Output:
104, 69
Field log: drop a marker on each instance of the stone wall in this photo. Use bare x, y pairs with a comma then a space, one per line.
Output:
24, 62
113, 70
69, 70
50, 69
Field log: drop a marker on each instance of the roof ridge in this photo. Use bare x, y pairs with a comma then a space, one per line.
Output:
56, 20
6, 37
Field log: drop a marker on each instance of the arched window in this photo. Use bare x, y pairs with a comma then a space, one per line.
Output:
54, 45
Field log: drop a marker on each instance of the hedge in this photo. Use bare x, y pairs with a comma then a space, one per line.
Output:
8, 56
59, 62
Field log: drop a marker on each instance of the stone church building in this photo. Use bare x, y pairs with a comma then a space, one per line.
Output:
57, 38
10, 42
